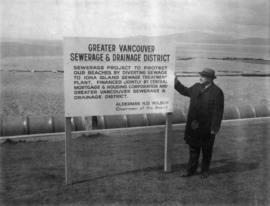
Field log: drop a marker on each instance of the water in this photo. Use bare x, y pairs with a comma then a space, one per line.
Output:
20, 99
237, 90
222, 50
200, 54
198, 64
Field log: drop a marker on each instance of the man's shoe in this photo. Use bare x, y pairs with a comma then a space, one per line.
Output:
204, 175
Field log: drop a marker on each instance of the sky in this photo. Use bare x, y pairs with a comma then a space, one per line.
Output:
53, 19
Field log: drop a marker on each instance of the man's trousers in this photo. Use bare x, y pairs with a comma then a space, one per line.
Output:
194, 154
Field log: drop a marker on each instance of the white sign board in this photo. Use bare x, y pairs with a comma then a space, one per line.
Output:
118, 76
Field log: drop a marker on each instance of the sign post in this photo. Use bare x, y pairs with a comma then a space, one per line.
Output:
168, 143
68, 152
105, 76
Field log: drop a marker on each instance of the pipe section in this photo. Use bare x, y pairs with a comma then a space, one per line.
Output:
231, 112
156, 119
115, 121
11, 126
14, 126
137, 120
38, 125
262, 110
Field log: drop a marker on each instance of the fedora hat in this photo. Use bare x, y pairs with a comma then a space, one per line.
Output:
208, 72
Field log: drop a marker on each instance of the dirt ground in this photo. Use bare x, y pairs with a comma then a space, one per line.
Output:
126, 168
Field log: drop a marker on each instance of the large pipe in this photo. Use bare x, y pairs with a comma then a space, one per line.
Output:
11, 126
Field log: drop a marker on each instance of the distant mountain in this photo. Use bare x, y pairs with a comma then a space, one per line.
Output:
251, 41
31, 48
55, 47
203, 37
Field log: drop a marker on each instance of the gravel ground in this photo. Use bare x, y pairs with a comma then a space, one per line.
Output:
125, 168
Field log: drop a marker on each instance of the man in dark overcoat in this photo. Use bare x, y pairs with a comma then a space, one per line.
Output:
203, 120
